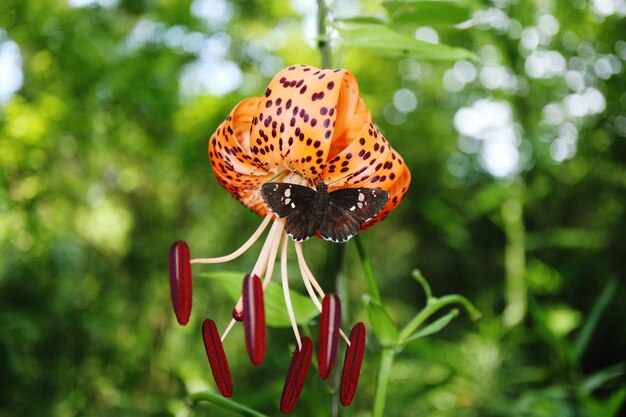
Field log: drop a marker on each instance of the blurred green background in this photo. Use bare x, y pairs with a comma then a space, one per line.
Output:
517, 202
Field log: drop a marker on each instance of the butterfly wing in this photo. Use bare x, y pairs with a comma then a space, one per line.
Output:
294, 202
362, 203
338, 225
348, 208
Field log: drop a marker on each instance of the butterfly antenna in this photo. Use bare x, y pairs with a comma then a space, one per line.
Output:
280, 174
342, 178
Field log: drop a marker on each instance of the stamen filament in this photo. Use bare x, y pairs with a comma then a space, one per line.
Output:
307, 282
239, 251
230, 326
280, 226
308, 278
285, 282
271, 245
308, 273
261, 262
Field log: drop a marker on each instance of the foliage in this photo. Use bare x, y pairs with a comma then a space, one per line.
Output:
103, 164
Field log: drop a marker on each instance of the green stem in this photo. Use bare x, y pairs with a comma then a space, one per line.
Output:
340, 288
322, 36
367, 268
432, 308
514, 256
387, 357
425, 285
222, 402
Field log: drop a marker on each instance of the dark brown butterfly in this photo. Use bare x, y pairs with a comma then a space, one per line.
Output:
337, 215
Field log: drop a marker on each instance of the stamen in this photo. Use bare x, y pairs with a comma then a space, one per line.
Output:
280, 226
217, 358
254, 318
296, 376
239, 251
180, 281
263, 258
328, 340
230, 326
270, 246
307, 272
352, 364
285, 282
309, 279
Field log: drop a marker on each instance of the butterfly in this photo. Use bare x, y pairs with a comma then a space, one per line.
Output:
337, 215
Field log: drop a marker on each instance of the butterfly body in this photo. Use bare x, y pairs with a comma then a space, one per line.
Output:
337, 215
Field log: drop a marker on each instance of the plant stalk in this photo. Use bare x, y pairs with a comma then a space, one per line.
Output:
322, 34
387, 357
367, 268
515, 257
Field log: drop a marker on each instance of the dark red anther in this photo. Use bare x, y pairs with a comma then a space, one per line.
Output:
217, 358
352, 364
237, 315
180, 281
298, 370
254, 318
328, 341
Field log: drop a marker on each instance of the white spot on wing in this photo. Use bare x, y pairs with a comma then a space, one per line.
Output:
352, 208
287, 201
361, 197
293, 205
288, 192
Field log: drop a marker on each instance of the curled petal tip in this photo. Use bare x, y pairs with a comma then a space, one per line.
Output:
298, 370
352, 364
217, 358
180, 280
328, 341
254, 318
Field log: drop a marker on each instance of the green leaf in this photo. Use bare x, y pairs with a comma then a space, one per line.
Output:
602, 377
384, 327
428, 12
594, 317
606, 408
363, 19
383, 41
435, 326
275, 307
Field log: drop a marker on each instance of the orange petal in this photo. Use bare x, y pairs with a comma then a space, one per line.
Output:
396, 193
301, 112
311, 122
229, 153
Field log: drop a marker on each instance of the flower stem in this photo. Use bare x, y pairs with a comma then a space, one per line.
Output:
367, 268
514, 256
387, 357
193, 399
322, 35
432, 308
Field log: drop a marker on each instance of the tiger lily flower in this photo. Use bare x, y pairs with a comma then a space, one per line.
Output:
309, 129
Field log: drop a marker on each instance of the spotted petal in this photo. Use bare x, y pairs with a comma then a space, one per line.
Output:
311, 122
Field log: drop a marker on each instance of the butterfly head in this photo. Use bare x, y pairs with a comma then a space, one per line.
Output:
321, 187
